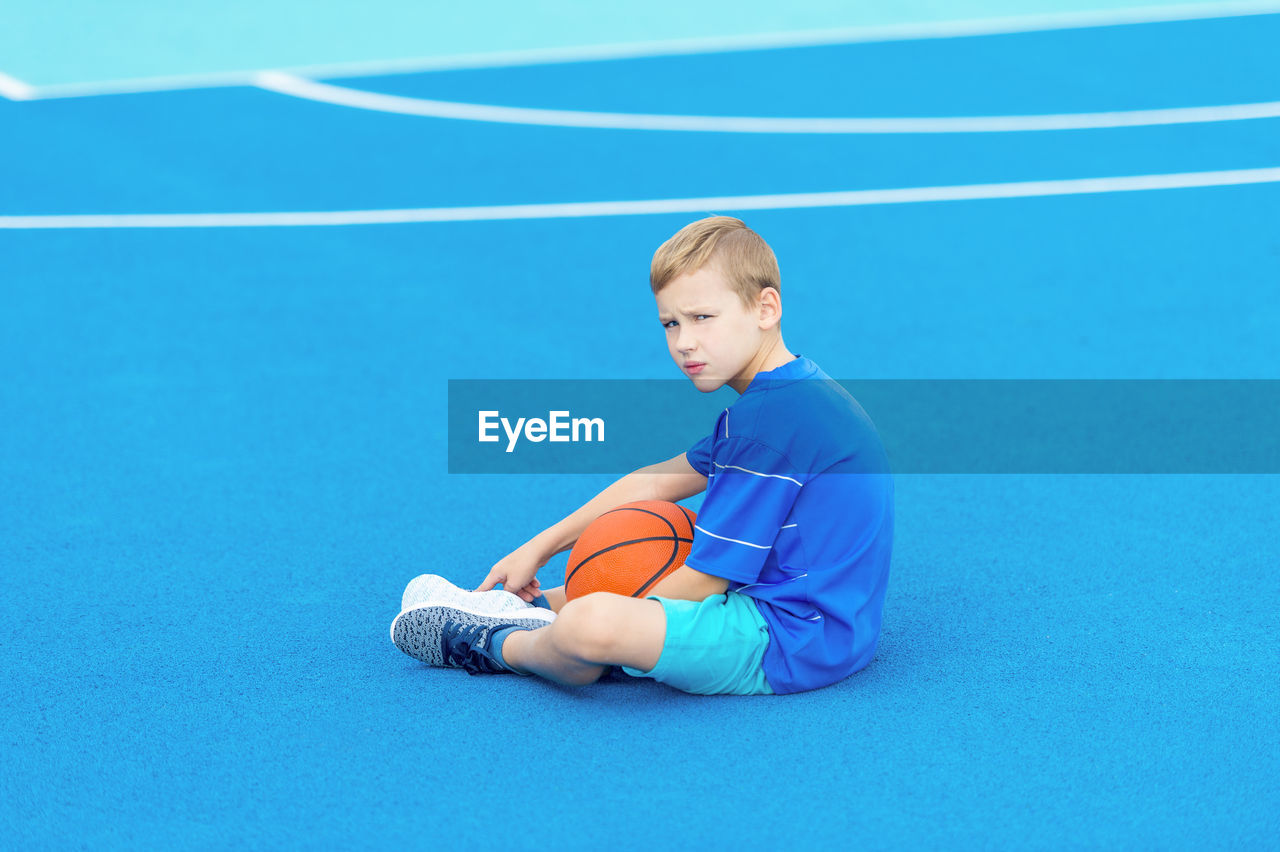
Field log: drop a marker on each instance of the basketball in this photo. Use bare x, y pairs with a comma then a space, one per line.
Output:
629, 549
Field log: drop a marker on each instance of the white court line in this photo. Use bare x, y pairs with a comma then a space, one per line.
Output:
854, 198
287, 84
689, 46
14, 89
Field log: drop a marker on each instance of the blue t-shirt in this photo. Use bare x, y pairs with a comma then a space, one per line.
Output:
798, 515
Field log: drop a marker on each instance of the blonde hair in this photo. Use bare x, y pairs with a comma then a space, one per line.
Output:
743, 257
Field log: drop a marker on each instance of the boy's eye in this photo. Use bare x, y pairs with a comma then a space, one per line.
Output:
671, 323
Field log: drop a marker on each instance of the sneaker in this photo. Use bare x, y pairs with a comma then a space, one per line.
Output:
445, 635
432, 588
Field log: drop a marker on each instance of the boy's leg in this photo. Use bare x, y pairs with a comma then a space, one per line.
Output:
590, 634
555, 598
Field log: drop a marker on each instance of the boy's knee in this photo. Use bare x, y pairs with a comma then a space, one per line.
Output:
586, 628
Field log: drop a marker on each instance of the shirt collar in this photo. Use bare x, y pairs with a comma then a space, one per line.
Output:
798, 367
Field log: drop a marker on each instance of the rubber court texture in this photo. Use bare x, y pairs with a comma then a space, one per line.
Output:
222, 432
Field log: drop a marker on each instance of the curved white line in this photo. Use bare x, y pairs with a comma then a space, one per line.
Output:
854, 198
287, 84
693, 46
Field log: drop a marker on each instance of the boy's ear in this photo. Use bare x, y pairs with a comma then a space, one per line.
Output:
769, 307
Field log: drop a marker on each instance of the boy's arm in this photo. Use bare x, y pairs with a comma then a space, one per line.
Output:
673, 479
689, 584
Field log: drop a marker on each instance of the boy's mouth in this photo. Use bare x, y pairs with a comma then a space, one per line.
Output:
693, 368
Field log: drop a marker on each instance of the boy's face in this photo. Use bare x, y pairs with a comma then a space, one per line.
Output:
707, 324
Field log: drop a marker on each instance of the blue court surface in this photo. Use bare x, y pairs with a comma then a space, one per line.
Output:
230, 307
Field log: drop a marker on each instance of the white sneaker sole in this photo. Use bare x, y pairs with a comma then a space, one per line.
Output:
417, 631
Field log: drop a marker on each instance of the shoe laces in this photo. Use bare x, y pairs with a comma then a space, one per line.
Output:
467, 648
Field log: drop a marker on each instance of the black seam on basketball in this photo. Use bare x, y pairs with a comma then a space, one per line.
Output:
624, 544
676, 542
620, 544
670, 525
663, 518
675, 551
688, 516
629, 509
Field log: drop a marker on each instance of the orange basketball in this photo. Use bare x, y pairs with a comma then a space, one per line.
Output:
629, 549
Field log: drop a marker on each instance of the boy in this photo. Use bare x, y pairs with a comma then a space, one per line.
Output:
783, 588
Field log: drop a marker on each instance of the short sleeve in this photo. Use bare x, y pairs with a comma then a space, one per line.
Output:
750, 493
699, 456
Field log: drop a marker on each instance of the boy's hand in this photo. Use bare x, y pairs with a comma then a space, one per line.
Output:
517, 573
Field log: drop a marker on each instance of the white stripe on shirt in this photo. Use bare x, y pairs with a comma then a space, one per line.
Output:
757, 473
779, 583
734, 540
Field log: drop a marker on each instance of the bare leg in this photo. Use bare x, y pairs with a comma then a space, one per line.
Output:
555, 598
590, 634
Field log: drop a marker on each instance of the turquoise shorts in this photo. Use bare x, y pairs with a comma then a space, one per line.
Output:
713, 647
